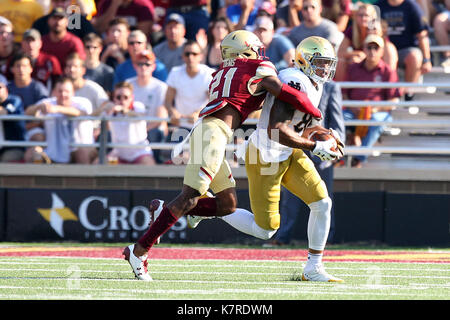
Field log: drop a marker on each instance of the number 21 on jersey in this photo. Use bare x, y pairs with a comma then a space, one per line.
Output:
225, 80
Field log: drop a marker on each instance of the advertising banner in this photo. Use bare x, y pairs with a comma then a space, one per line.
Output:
123, 216
102, 216
81, 215
359, 216
422, 219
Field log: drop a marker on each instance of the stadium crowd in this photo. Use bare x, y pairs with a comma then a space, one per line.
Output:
126, 58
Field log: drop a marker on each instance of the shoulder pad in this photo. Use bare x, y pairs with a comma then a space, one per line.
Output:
294, 77
265, 69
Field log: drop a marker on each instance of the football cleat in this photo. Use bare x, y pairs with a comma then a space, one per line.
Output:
156, 207
138, 264
319, 274
193, 221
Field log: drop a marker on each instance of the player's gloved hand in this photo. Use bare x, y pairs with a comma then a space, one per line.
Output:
340, 144
323, 150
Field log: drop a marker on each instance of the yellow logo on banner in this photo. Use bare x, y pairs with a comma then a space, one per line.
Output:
57, 214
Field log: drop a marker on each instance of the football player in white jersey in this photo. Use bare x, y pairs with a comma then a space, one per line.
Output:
275, 157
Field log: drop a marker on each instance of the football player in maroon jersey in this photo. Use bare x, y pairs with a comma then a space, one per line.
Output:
238, 88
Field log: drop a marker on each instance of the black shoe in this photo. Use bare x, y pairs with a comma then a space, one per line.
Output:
356, 163
409, 96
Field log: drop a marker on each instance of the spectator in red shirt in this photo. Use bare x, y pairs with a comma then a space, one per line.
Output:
79, 25
138, 13
46, 67
371, 69
59, 41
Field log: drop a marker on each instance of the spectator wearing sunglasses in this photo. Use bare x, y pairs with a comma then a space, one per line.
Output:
137, 42
184, 102
123, 105
151, 92
96, 70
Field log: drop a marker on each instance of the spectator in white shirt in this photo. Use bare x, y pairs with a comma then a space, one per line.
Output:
151, 92
75, 69
128, 132
188, 86
60, 131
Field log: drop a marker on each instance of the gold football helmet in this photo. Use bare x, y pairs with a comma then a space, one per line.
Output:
241, 44
316, 57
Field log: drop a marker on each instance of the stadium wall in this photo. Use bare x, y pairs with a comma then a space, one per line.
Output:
109, 204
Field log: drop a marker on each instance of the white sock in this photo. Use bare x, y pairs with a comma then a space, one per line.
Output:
244, 221
314, 259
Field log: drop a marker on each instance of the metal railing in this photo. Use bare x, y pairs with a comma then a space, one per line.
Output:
439, 48
103, 143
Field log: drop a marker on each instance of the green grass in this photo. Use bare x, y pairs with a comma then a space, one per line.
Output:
63, 278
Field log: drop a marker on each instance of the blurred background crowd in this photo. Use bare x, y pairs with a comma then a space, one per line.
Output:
131, 58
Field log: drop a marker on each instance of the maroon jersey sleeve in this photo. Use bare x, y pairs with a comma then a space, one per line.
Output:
231, 85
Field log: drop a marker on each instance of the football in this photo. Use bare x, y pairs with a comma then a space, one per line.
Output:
322, 136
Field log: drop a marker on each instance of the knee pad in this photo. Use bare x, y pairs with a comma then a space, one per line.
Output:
322, 206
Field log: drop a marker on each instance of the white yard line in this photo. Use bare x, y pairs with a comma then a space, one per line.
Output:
241, 266
207, 261
174, 272
135, 293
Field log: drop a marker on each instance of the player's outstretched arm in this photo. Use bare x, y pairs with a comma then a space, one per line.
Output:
298, 99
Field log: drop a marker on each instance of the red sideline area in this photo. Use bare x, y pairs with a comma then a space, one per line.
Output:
234, 254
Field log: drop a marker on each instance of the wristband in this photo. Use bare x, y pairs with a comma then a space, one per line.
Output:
299, 100
426, 60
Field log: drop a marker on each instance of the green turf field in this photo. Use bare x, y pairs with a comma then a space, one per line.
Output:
111, 278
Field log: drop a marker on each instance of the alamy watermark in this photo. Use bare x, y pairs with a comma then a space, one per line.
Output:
374, 277
74, 277
73, 14
200, 152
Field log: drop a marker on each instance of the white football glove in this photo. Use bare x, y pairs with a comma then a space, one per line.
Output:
323, 150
